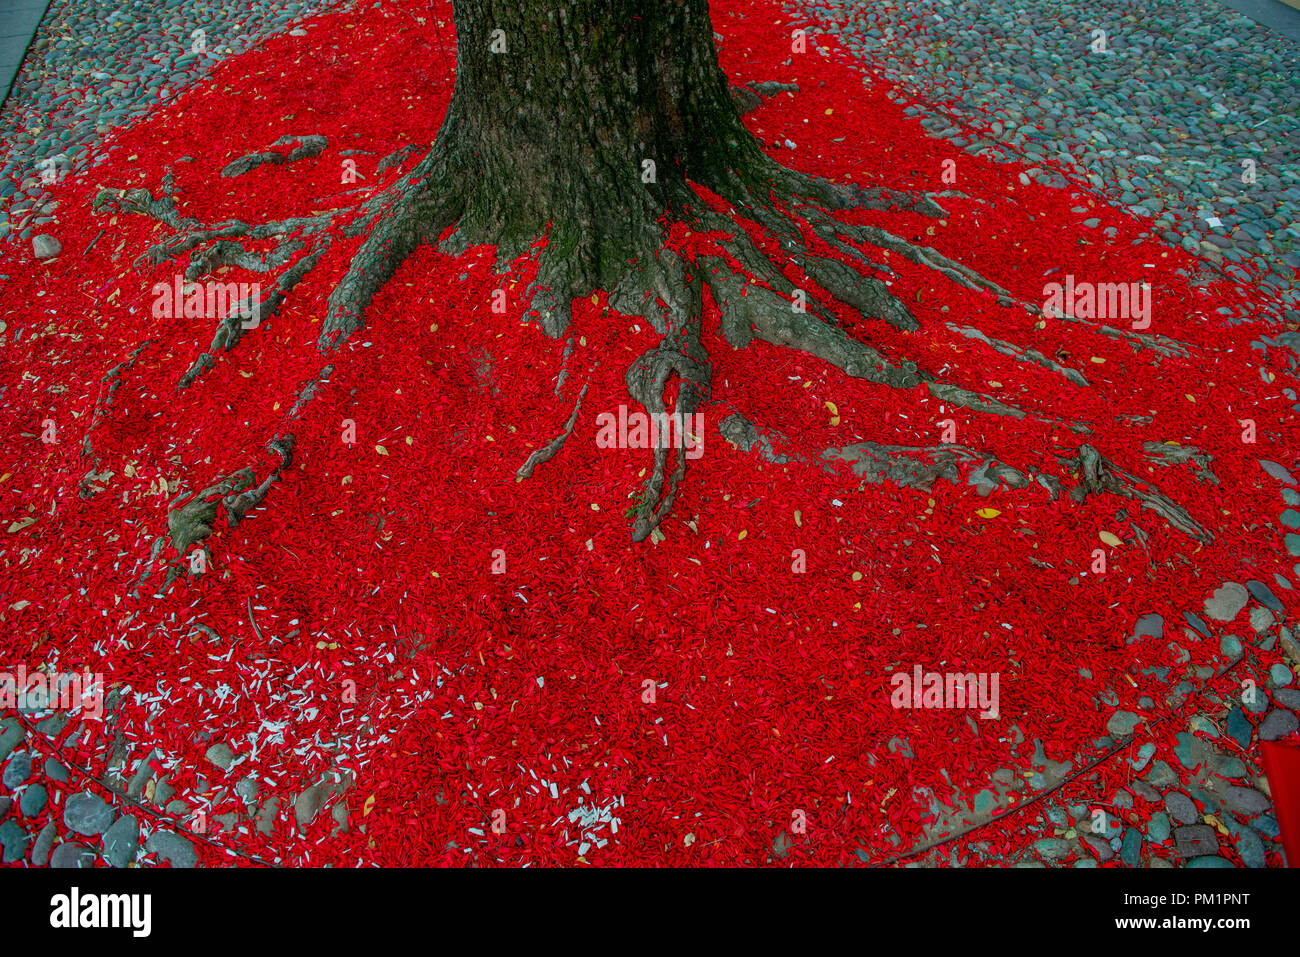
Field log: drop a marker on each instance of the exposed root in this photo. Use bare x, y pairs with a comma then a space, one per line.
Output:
113, 379
549, 450
1021, 354
1098, 474
1162, 453
679, 353
919, 468
308, 146
1139, 340
190, 523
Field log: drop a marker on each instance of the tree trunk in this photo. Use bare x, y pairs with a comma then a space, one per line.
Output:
584, 121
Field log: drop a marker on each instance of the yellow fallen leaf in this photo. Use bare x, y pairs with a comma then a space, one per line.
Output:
1097, 359
1111, 540
368, 806
6, 477
741, 536
22, 523
988, 513
798, 518
381, 450
19, 605
857, 576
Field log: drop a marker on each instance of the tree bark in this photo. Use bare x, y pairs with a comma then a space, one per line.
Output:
584, 122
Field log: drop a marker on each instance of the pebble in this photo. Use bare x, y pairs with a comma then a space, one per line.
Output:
1195, 841
54, 770
121, 841
17, 771
1181, 808
87, 814
1130, 851
1122, 723
1246, 801
12, 736
14, 840
72, 854
1158, 828
1278, 724
172, 848
1277, 471
222, 755
45, 246
33, 800
44, 841
1288, 698
1239, 727
1152, 626
1264, 595
1227, 601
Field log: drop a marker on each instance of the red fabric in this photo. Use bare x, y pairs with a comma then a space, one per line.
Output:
1282, 765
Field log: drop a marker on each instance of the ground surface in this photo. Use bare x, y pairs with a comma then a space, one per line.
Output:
351, 683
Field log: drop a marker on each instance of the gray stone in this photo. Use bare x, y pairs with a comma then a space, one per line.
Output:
222, 755
1227, 765
1261, 620
46, 246
72, 854
1246, 801
1053, 848
1100, 847
1195, 841
1264, 595
1122, 723
1149, 626
1227, 601
1181, 808
1248, 844
121, 841
33, 800
1210, 861
1279, 676
1161, 775
11, 737
17, 771
1288, 698
308, 803
1277, 472
87, 814
1158, 827
41, 846
172, 848
1130, 851
1145, 791
1239, 727
1278, 724
14, 840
